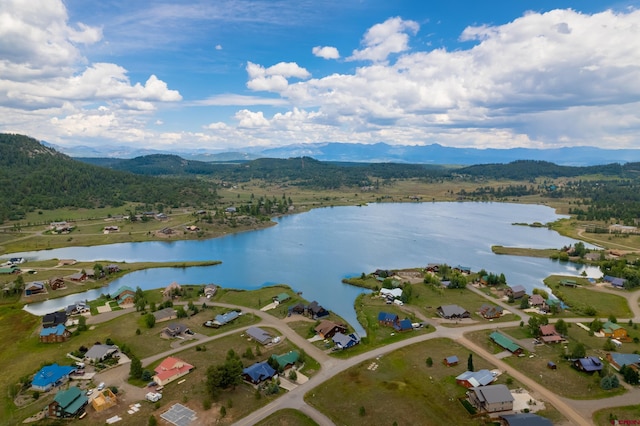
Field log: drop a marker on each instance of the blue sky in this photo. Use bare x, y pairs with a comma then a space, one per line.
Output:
231, 74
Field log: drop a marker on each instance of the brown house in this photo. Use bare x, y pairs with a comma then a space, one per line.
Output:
55, 334
56, 283
327, 329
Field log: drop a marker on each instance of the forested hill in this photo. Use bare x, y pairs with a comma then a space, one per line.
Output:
33, 176
528, 169
303, 171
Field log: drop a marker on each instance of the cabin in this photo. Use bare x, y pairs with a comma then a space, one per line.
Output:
286, 361
453, 312
315, 311
451, 360
327, 329
57, 283
548, 334
617, 360
614, 331
57, 334
516, 292
387, 319
34, 288
589, 364
491, 399
345, 341
524, 419
614, 281
474, 379
505, 343
171, 369
258, 373
488, 311
68, 403
259, 335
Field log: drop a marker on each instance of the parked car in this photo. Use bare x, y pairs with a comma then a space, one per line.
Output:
101, 386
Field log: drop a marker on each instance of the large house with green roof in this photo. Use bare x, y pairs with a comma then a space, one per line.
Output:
505, 343
286, 360
614, 331
68, 403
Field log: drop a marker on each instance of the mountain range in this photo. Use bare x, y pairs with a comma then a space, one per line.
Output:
377, 153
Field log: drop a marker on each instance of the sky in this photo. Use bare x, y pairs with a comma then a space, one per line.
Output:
225, 75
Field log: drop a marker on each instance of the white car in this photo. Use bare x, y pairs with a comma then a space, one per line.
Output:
101, 386
89, 392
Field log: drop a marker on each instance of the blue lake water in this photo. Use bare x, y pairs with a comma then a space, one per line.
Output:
313, 251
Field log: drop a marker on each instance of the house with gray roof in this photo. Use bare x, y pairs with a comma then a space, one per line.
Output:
474, 379
165, 314
491, 399
259, 335
99, 353
345, 341
453, 312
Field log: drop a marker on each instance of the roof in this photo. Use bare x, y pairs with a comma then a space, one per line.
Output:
404, 325
518, 289
100, 351
589, 363
504, 341
259, 371
548, 330
286, 359
326, 326
50, 374
71, 400
477, 378
452, 310
452, 359
58, 330
165, 313
526, 419
225, 318
258, 334
172, 366
610, 327
387, 317
395, 292
536, 299
345, 341
493, 394
615, 281
282, 297
121, 290
625, 359
55, 318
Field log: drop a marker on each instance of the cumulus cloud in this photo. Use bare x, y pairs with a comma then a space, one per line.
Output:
326, 52
381, 40
43, 72
274, 78
251, 119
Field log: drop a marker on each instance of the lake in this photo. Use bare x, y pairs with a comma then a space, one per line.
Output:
313, 251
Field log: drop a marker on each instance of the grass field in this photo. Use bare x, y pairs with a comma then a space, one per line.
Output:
287, 417
629, 413
402, 389
565, 380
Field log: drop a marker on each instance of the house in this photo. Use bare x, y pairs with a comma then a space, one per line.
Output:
433, 267
223, 319
404, 325
68, 403
524, 419
488, 311
589, 364
287, 360
387, 319
315, 311
54, 318
548, 334
78, 277
327, 329
614, 281
491, 399
111, 228
57, 283
282, 297
124, 295
67, 262
614, 331
170, 369
474, 379
462, 269
298, 309
617, 360
55, 334
91, 274
174, 330
162, 216
505, 343
103, 400
451, 360
516, 292
77, 309
165, 314
113, 268
51, 376
453, 312
259, 335
12, 269
258, 373
34, 288
537, 301
391, 293
99, 352
210, 290
345, 341
171, 290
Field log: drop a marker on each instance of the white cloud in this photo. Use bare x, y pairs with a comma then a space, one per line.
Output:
251, 119
381, 40
326, 52
239, 100
218, 47
274, 78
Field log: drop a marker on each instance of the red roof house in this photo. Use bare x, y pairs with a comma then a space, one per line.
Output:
171, 369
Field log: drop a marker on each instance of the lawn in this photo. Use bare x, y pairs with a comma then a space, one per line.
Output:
287, 417
413, 393
565, 380
605, 416
260, 298
582, 296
